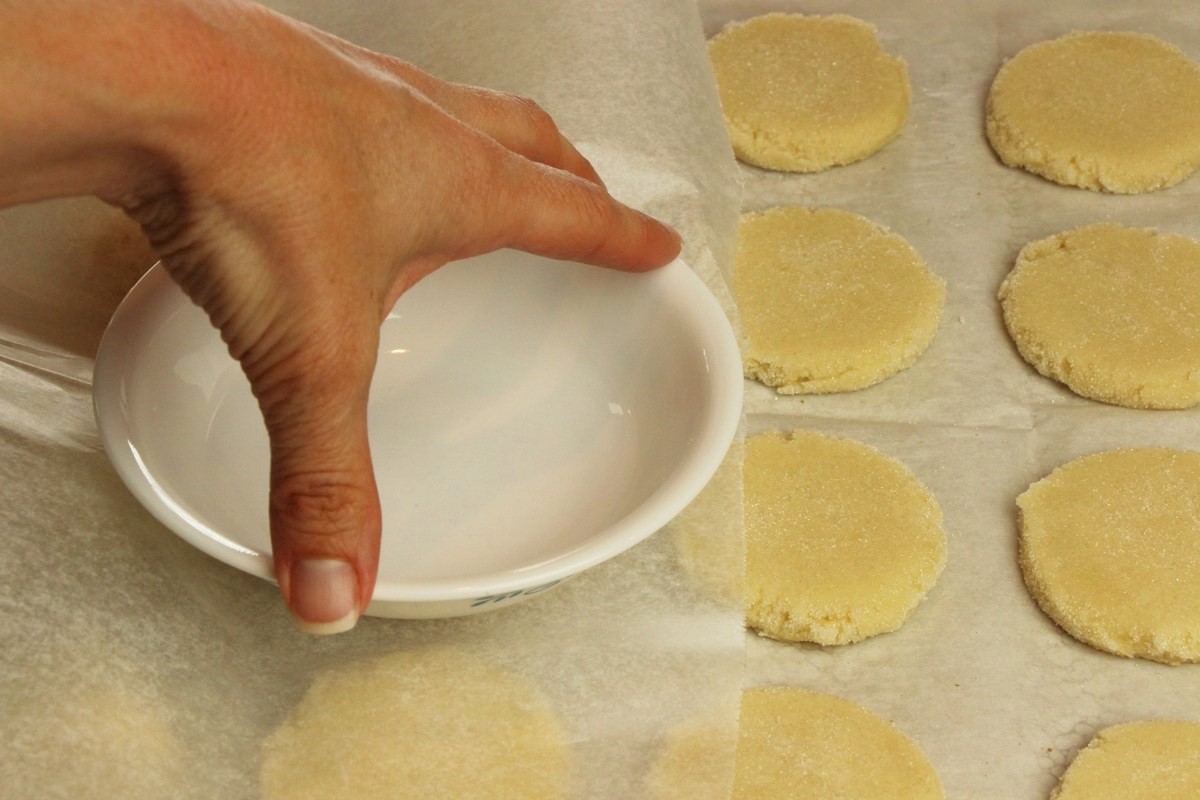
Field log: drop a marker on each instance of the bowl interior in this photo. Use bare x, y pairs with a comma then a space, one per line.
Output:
528, 418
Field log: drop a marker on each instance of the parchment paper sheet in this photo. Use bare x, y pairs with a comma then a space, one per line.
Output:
131, 666
997, 696
107, 617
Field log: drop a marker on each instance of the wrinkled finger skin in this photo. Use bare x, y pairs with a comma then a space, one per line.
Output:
295, 185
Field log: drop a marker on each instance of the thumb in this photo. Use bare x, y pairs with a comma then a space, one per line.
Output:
324, 506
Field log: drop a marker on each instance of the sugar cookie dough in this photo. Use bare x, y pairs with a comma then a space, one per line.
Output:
709, 542
1118, 112
433, 724
805, 93
1110, 549
830, 301
797, 743
1158, 760
842, 542
1112, 312
696, 759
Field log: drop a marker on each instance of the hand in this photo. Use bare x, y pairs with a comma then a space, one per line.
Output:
295, 186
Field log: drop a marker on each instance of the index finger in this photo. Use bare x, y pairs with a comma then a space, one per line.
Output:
559, 215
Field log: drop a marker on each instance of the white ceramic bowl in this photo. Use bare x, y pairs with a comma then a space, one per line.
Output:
528, 419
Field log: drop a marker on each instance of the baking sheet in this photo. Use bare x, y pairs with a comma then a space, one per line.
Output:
997, 696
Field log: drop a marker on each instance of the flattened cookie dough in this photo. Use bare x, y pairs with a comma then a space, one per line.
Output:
1118, 112
433, 724
708, 542
1112, 312
797, 743
1110, 549
830, 301
805, 93
842, 542
696, 760
1157, 760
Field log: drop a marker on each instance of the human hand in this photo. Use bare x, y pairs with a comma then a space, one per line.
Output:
295, 186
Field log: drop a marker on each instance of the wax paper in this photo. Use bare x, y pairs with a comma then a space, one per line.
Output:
129, 660
996, 695
132, 666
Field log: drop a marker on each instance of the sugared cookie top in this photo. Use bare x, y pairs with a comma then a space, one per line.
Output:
805, 93
1118, 112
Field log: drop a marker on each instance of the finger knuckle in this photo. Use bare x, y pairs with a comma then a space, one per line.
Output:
320, 506
600, 211
536, 118
596, 220
291, 370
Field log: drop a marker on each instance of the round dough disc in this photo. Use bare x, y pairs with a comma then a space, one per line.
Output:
696, 760
1158, 760
431, 723
1118, 112
707, 535
830, 301
797, 743
1110, 549
805, 93
1112, 312
842, 542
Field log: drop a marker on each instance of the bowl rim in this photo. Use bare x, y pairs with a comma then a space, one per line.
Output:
706, 448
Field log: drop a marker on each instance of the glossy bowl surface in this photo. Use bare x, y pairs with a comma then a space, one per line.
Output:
528, 419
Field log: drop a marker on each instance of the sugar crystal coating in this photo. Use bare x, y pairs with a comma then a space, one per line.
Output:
829, 300
805, 93
842, 542
1110, 549
802, 744
1153, 760
1107, 111
1112, 312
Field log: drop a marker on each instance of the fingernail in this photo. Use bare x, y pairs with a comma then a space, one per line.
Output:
324, 595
